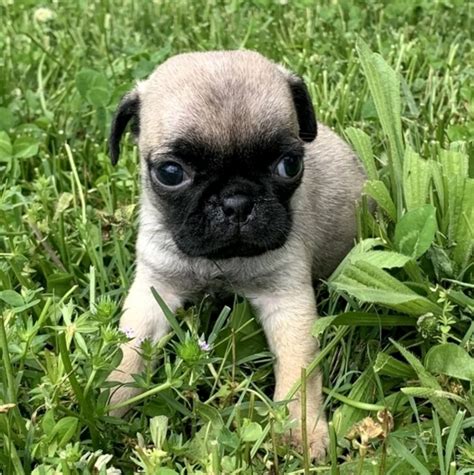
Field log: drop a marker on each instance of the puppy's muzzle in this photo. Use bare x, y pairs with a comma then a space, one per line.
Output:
237, 208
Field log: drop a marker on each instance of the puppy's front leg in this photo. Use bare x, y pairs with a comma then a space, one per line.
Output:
142, 319
287, 317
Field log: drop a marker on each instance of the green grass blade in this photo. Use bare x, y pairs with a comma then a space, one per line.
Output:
363, 147
347, 415
439, 443
220, 321
442, 405
170, 316
362, 319
389, 366
454, 433
408, 456
378, 191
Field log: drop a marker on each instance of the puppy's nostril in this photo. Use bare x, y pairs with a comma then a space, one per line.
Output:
237, 207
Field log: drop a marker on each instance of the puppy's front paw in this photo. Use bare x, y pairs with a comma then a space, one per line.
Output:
318, 438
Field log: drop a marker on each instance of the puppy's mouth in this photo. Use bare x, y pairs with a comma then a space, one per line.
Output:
238, 240
235, 248
238, 243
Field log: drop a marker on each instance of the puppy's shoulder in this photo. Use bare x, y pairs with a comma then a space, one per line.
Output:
331, 157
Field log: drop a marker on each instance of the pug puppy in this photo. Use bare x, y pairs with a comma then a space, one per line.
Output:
241, 192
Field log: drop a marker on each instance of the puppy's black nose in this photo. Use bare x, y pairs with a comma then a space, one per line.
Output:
237, 207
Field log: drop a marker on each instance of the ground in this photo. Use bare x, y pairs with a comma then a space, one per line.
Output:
395, 78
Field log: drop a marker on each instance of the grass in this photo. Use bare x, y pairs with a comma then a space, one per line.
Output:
397, 336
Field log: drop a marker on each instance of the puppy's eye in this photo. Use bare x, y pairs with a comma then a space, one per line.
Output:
289, 167
170, 174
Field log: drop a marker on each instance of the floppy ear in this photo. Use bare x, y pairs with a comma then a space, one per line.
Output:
303, 105
126, 111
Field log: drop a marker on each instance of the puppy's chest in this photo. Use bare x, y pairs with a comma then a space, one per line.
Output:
195, 281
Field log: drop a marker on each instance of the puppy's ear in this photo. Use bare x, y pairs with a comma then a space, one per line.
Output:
126, 111
303, 105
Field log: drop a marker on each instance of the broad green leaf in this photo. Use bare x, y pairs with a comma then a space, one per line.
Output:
415, 231
99, 97
454, 193
48, 423
250, 431
229, 464
361, 319
64, 430
25, 147
464, 230
209, 413
28, 305
12, 298
384, 85
165, 471
450, 359
322, 324
454, 163
416, 180
377, 190
382, 259
389, 366
442, 264
363, 147
441, 404
94, 87
7, 119
371, 284
361, 247
85, 79
6, 149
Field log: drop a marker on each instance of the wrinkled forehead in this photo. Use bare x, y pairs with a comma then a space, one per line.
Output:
220, 105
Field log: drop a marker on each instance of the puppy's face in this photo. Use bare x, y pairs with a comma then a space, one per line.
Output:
221, 139
226, 202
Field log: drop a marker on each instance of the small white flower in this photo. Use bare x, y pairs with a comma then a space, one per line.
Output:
43, 15
140, 340
129, 332
204, 345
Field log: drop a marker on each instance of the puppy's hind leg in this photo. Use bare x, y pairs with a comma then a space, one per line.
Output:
142, 319
287, 316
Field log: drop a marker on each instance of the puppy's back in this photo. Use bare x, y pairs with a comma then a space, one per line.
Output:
333, 178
